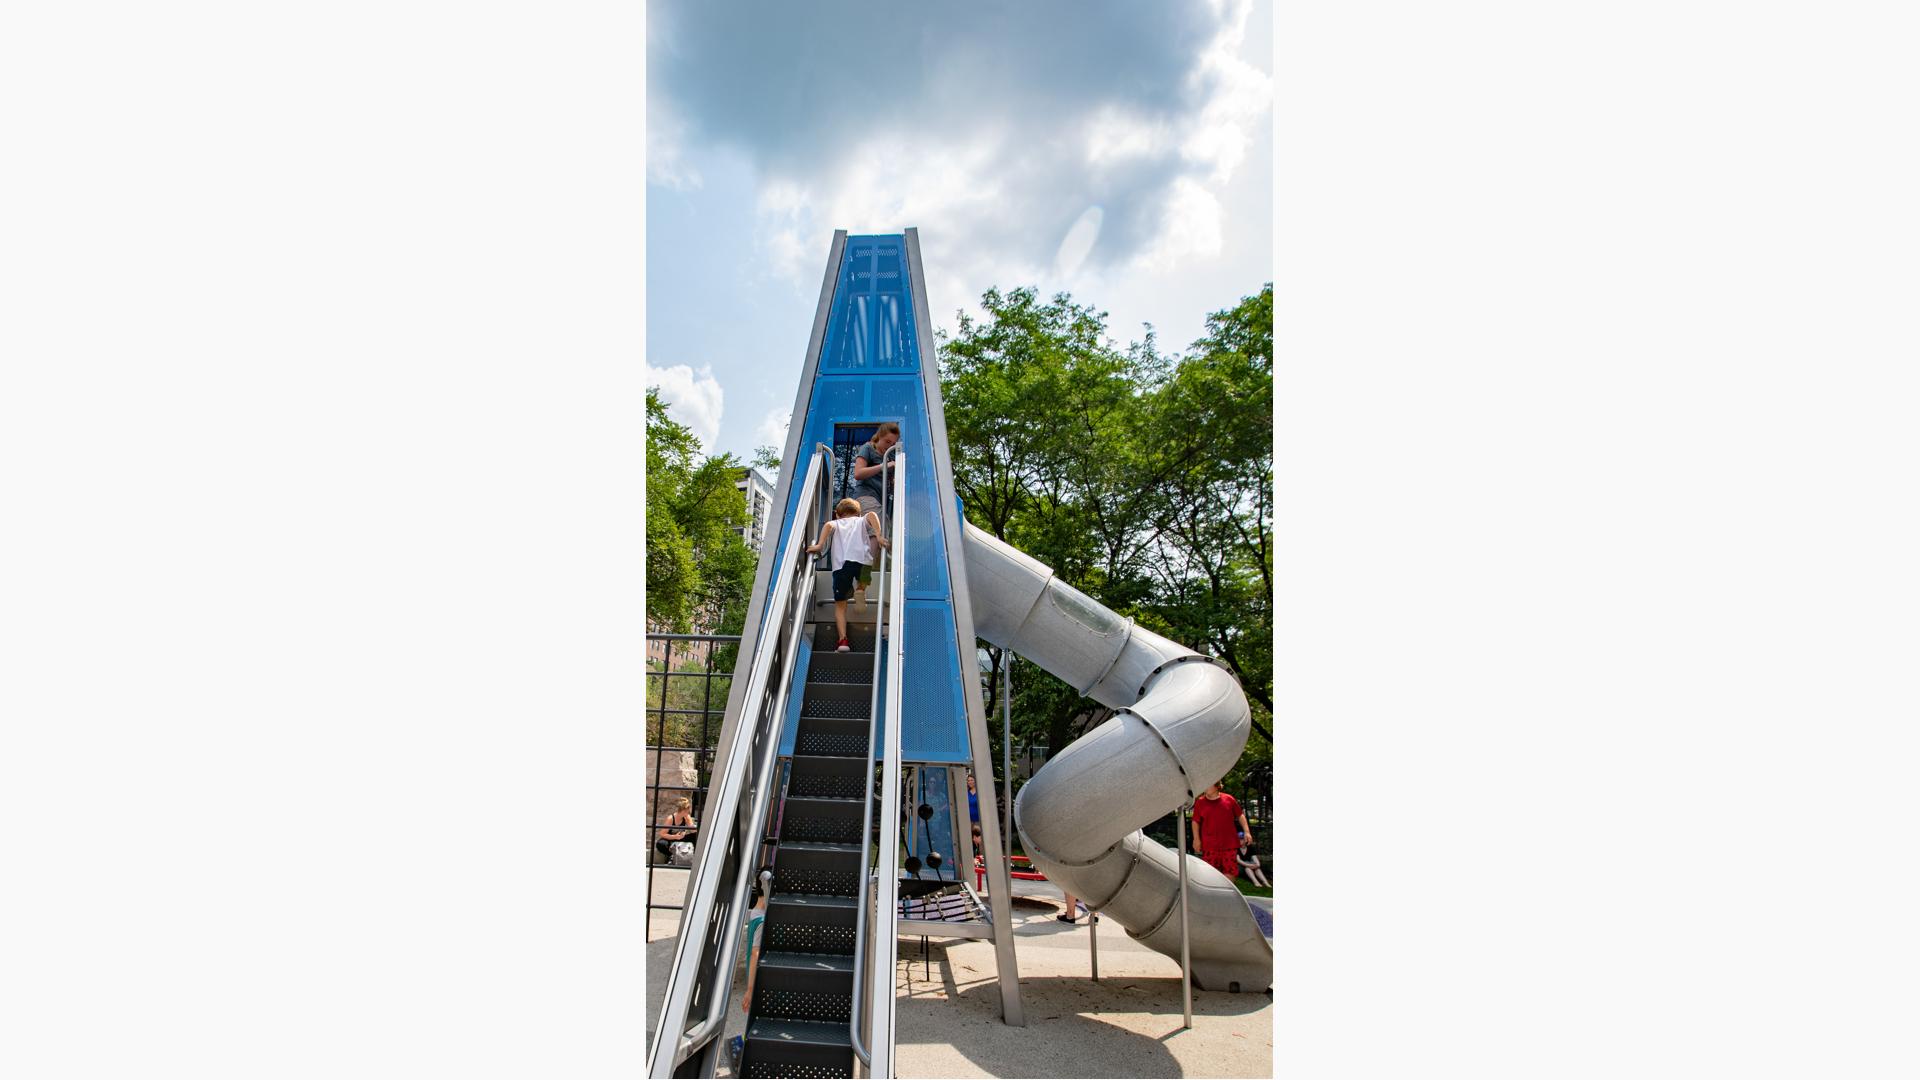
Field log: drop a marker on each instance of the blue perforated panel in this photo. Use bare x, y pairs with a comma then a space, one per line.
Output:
869, 371
839, 397
796, 696
871, 325
926, 540
933, 715
893, 399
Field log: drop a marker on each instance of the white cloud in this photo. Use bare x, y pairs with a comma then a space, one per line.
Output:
694, 398
1237, 95
667, 163
773, 428
1014, 173
1191, 227
1030, 144
1115, 136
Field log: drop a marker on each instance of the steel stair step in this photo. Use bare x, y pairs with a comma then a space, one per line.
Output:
837, 701
812, 902
840, 777
784, 961
803, 845
801, 1032
857, 614
810, 923
821, 820
816, 869
833, 735
859, 635
834, 668
797, 1048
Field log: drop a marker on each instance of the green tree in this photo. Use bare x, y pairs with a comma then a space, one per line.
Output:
699, 570
1144, 480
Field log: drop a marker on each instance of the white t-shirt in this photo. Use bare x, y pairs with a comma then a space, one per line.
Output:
850, 541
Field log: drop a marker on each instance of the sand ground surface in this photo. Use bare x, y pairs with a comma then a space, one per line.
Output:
1126, 1024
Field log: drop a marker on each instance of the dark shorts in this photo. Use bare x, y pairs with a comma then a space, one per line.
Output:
844, 578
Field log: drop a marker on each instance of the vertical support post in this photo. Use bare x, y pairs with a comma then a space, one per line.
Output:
1006, 750
1093, 940
1186, 955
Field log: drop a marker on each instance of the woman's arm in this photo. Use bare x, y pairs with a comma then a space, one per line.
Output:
862, 468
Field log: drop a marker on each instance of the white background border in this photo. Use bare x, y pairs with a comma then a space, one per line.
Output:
320, 461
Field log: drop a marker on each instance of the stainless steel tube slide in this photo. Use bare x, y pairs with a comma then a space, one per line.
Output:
1180, 724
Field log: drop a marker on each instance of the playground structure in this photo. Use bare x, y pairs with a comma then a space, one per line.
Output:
831, 765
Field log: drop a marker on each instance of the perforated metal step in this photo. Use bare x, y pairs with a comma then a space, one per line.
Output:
776, 1047
832, 736
799, 990
839, 701
803, 923
856, 614
824, 869
827, 821
840, 667
859, 636
829, 777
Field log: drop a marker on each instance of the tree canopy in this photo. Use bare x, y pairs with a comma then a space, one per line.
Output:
699, 570
1144, 480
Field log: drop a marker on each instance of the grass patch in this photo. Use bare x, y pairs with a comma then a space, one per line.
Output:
1248, 888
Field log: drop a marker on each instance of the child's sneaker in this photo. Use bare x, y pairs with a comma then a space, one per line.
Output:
844, 646
735, 1046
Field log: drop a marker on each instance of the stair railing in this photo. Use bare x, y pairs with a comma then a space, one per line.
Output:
729, 849
876, 944
867, 869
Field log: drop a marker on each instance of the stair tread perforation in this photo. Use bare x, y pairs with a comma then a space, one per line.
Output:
814, 900
816, 845
766, 1029
798, 961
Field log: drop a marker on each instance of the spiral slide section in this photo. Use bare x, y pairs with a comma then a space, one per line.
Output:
1181, 721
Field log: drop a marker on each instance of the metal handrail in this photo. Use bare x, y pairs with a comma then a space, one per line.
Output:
886, 865
672, 1043
769, 754
887, 558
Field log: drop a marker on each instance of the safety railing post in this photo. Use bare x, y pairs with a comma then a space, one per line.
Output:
1186, 951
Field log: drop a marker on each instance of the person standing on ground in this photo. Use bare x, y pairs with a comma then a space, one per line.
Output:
1220, 830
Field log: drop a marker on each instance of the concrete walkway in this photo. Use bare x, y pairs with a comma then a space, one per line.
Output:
1126, 1024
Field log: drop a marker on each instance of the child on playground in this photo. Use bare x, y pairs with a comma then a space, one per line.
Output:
1220, 830
850, 537
756, 919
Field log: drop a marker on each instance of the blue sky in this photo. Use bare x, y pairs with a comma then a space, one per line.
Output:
1121, 151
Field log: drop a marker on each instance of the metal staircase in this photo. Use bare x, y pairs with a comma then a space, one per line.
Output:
802, 804
824, 972
818, 974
